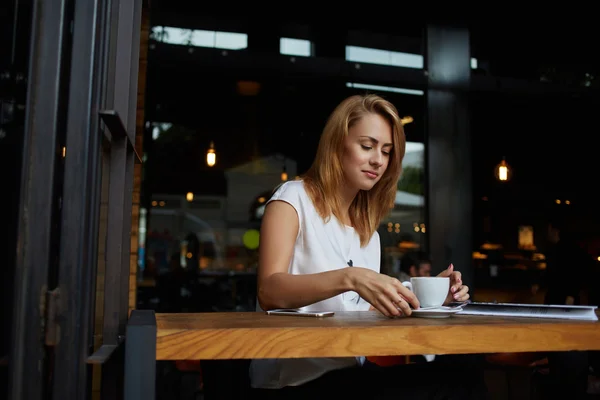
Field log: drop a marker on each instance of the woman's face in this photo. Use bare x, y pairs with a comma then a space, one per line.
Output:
367, 152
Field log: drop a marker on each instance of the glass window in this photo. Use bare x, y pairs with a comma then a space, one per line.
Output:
295, 47
203, 220
200, 38
393, 89
387, 57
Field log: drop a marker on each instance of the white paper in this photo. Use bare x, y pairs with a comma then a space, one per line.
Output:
586, 313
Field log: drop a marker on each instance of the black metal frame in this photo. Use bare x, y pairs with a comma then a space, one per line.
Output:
140, 356
84, 59
119, 121
28, 359
80, 209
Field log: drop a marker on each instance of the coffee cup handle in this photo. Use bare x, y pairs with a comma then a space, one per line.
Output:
408, 285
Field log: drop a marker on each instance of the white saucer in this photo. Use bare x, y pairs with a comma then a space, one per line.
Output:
441, 312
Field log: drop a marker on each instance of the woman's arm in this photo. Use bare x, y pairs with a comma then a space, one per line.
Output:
276, 287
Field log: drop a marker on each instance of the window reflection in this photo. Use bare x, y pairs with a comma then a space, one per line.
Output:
295, 47
265, 131
392, 89
199, 38
224, 226
388, 57
403, 231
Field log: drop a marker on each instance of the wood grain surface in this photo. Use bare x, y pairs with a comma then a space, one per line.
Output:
256, 335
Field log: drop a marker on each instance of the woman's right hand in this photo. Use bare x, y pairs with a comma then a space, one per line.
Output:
383, 292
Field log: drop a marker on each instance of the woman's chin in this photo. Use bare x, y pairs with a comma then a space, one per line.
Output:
367, 186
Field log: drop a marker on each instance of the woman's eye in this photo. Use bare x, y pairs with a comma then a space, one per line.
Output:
366, 147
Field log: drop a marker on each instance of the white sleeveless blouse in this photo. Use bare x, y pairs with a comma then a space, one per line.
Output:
320, 246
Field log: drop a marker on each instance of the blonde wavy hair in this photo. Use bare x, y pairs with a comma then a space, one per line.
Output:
326, 176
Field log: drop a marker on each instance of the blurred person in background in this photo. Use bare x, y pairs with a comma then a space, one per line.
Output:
414, 266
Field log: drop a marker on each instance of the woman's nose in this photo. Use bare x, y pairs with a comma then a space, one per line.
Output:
376, 160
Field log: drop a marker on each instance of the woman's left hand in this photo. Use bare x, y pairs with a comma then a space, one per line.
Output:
458, 292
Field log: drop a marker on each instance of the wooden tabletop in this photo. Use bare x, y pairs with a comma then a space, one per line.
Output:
246, 335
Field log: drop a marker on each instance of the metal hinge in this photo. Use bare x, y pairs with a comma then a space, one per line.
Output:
52, 335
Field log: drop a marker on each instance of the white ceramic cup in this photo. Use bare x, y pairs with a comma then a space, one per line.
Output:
430, 290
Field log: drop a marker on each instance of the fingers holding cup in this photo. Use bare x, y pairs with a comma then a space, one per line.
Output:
462, 294
455, 281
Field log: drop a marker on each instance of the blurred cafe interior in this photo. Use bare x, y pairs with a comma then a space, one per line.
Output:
256, 99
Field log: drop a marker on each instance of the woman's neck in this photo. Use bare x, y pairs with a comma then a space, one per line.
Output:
347, 196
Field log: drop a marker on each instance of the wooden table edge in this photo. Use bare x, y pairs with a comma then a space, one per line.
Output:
510, 335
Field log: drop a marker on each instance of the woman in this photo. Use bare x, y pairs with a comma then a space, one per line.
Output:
320, 249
